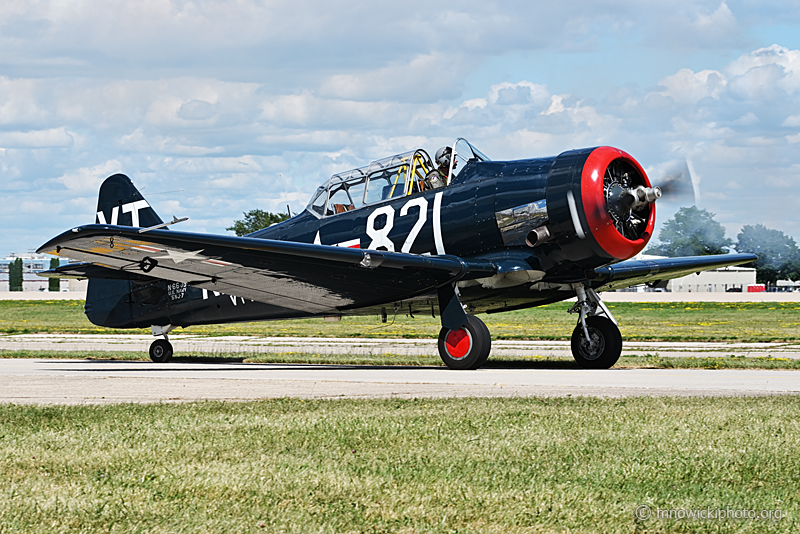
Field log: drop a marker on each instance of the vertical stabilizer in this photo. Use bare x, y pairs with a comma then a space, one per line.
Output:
120, 203
108, 302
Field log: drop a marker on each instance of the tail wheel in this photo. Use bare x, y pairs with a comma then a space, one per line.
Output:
602, 349
465, 348
161, 351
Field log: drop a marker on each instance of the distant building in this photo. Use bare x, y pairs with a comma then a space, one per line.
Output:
724, 279
31, 264
788, 285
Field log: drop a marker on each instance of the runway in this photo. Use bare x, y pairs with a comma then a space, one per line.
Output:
36, 381
221, 345
62, 381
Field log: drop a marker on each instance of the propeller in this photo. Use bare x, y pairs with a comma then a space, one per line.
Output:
678, 182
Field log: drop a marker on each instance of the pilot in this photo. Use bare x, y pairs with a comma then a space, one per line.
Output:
438, 177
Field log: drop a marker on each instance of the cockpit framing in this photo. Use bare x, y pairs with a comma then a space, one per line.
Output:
389, 178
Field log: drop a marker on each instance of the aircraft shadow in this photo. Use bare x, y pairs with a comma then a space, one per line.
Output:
528, 364
212, 364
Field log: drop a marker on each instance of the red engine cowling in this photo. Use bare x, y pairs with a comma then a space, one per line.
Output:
600, 205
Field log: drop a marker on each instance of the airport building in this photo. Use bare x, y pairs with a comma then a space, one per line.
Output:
32, 264
724, 279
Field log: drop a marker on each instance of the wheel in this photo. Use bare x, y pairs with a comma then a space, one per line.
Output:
607, 345
161, 351
465, 348
488, 348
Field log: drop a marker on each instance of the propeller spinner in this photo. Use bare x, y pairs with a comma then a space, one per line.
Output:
628, 198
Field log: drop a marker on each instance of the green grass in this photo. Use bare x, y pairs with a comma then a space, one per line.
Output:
576, 465
646, 361
670, 321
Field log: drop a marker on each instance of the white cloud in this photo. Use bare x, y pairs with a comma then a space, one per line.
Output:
687, 87
88, 179
138, 141
197, 110
720, 24
425, 78
748, 119
18, 102
53, 137
211, 165
793, 121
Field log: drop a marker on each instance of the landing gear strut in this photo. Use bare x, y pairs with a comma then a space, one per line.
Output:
596, 340
161, 349
467, 347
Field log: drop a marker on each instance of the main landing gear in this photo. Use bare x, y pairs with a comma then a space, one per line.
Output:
596, 340
464, 341
467, 347
161, 349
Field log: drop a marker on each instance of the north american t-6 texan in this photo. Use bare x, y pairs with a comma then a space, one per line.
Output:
451, 236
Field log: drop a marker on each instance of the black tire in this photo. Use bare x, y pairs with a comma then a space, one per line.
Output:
465, 348
161, 351
488, 339
607, 348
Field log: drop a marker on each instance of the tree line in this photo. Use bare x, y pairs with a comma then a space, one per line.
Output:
694, 232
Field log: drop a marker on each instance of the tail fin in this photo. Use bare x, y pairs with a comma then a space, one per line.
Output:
120, 203
108, 302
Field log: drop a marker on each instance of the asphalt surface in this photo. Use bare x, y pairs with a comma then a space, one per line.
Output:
187, 343
62, 381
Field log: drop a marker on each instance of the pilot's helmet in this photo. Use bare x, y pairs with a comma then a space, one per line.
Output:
443, 156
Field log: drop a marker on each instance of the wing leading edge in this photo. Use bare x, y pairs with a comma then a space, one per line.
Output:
633, 272
314, 279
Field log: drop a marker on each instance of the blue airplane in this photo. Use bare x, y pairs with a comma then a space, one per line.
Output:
451, 236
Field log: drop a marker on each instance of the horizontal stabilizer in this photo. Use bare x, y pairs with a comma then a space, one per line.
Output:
83, 271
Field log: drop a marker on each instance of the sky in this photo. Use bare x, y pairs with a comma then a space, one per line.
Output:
215, 108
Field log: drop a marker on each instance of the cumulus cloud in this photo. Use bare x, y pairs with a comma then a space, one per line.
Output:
88, 179
695, 25
425, 78
53, 137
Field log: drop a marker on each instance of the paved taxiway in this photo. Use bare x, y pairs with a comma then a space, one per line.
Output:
243, 345
57, 381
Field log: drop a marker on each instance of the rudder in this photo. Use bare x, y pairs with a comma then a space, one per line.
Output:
120, 203
108, 302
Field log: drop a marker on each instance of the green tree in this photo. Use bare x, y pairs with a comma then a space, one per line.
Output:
778, 254
256, 220
15, 275
54, 284
692, 232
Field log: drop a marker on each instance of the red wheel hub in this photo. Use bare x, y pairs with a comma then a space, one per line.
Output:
458, 343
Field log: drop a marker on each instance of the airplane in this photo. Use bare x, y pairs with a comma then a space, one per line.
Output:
450, 236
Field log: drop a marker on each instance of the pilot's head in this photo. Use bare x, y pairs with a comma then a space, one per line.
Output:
443, 156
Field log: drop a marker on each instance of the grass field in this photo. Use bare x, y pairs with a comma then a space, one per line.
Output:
577, 465
459, 465
696, 321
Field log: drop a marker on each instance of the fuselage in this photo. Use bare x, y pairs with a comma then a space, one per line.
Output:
491, 210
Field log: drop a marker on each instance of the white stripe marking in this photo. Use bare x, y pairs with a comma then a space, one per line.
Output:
573, 211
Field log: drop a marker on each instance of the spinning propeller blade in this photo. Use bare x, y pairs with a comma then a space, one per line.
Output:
678, 182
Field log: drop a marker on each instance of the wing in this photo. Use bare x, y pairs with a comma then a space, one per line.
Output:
309, 278
633, 272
